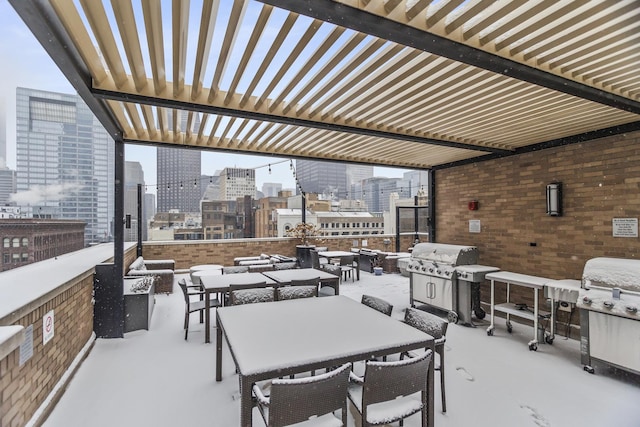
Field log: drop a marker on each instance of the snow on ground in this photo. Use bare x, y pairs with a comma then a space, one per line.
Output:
156, 378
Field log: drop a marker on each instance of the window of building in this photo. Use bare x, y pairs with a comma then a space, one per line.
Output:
25, 257
25, 241
7, 258
16, 242
6, 242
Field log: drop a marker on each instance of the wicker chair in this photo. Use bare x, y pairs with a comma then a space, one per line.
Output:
297, 400
437, 328
193, 306
235, 269
377, 304
401, 385
249, 293
346, 265
306, 288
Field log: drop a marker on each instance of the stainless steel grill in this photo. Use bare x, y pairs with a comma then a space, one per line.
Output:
609, 301
434, 279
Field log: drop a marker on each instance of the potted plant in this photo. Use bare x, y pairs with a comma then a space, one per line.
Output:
305, 233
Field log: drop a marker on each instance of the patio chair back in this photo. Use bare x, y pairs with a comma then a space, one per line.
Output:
437, 328
303, 288
194, 306
377, 304
296, 400
396, 383
235, 269
249, 293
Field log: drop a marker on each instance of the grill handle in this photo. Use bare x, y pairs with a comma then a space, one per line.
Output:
608, 289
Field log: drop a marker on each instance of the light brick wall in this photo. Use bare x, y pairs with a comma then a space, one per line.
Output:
601, 181
24, 388
188, 253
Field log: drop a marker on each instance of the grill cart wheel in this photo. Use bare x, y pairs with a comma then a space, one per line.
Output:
452, 317
589, 369
509, 327
490, 332
548, 339
533, 346
480, 313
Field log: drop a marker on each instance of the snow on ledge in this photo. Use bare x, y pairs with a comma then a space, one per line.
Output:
11, 337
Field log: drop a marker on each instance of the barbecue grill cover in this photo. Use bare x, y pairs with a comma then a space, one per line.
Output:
446, 254
612, 273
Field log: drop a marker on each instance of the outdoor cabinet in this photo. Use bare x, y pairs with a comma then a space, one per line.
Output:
108, 319
303, 253
138, 306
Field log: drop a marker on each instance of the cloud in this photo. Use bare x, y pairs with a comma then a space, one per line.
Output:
41, 193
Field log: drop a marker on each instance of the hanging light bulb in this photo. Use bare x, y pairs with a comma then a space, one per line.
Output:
168, 186
269, 169
291, 164
181, 186
210, 180
195, 183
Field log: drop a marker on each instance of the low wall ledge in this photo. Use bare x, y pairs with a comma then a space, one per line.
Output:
11, 337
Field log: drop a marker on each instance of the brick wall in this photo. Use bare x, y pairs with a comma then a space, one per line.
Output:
188, 253
24, 388
601, 181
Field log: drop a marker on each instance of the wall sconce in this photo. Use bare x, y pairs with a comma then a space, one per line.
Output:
554, 199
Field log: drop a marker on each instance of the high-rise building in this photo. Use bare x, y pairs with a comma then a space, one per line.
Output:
271, 189
237, 182
3, 135
64, 160
178, 179
417, 180
7, 185
178, 174
134, 177
358, 173
322, 177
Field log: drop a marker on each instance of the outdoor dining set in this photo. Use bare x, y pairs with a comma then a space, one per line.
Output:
302, 351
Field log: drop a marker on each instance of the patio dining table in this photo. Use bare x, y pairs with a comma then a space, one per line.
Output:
340, 254
284, 277
265, 343
220, 284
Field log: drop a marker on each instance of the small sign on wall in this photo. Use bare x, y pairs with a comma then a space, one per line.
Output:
474, 226
47, 327
26, 348
625, 227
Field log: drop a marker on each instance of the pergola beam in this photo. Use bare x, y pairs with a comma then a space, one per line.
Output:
365, 22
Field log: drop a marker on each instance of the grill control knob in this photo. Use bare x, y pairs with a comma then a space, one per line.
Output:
439, 272
608, 304
430, 269
424, 268
586, 300
632, 309
448, 273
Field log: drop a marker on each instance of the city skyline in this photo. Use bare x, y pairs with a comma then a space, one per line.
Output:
32, 68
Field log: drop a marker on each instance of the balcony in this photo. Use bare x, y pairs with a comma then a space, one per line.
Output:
156, 378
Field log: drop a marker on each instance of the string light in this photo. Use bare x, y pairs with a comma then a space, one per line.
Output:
269, 169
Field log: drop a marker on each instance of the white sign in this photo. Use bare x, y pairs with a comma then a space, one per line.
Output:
26, 348
625, 227
474, 226
47, 327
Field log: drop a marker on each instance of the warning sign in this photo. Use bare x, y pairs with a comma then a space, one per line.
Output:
47, 327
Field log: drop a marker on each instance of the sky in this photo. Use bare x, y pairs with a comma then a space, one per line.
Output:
26, 64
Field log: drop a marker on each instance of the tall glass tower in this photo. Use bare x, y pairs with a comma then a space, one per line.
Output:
64, 162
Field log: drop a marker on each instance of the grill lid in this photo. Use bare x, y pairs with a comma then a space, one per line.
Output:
612, 273
445, 254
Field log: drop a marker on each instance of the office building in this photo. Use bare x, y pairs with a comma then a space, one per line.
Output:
134, 177
271, 189
237, 182
64, 162
322, 177
178, 179
358, 173
7, 185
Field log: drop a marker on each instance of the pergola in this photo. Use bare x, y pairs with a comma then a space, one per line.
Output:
413, 84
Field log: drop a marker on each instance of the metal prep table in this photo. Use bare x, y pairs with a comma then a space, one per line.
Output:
510, 309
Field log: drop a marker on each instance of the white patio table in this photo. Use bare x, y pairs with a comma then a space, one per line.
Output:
275, 339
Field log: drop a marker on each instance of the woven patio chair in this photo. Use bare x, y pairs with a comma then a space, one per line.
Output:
346, 265
306, 288
377, 304
235, 269
437, 328
391, 391
312, 399
194, 306
249, 293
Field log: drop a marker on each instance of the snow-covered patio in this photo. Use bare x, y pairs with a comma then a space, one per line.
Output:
156, 378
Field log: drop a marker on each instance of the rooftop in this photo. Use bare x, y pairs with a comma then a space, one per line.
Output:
156, 378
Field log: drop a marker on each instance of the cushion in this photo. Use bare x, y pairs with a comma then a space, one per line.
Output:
250, 296
138, 264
